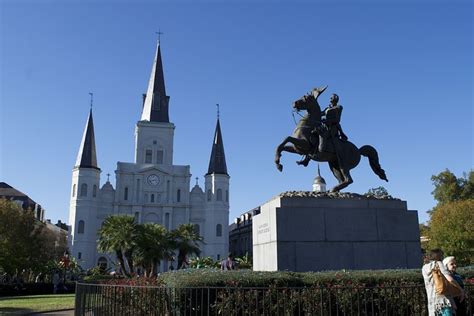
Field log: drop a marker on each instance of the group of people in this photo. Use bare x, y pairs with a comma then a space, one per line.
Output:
439, 304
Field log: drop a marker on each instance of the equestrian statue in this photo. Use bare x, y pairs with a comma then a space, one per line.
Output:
318, 136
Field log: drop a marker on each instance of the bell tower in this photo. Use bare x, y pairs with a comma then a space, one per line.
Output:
154, 133
217, 198
85, 198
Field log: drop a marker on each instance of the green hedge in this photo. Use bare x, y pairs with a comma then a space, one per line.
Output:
381, 292
242, 292
248, 278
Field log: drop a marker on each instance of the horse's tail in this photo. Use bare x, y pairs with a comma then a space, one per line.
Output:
371, 153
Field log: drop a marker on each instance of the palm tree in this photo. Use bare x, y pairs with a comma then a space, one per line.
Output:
152, 246
118, 234
186, 241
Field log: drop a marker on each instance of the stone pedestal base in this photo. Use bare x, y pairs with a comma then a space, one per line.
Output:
329, 232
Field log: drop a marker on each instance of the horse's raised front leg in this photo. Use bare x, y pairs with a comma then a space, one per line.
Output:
300, 146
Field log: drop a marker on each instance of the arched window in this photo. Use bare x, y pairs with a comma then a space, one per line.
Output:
102, 263
197, 229
219, 194
209, 195
152, 198
125, 194
94, 191
219, 230
74, 190
79, 255
137, 217
227, 195
178, 196
83, 189
80, 227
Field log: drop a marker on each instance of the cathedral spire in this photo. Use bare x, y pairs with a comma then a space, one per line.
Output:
155, 104
86, 157
217, 164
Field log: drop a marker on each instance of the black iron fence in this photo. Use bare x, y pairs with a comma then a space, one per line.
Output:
97, 299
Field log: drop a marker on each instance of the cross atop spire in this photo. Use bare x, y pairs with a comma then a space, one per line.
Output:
159, 35
92, 98
218, 112
197, 180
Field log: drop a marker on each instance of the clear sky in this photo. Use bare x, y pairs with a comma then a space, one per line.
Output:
403, 71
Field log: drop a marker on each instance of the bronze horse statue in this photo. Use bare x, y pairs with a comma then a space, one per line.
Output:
305, 141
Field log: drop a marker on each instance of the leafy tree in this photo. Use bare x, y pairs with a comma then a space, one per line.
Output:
449, 188
186, 241
153, 244
25, 243
467, 186
118, 234
379, 192
147, 244
424, 229
451, 229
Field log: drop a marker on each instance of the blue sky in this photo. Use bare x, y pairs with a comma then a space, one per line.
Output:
403, 71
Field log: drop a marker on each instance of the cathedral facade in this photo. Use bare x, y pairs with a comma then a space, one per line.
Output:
152, 188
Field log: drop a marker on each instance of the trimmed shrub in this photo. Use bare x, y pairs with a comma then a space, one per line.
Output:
214, 292
247, 278
378, 292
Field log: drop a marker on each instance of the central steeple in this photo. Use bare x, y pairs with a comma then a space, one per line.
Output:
155, 103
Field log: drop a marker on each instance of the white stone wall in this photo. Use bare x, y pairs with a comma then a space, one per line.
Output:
216, 213
84, 208
154, 136
167, 207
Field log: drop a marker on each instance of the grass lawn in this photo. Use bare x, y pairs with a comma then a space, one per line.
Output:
35, 303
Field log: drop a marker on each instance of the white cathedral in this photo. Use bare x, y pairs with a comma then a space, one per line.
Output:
152, 189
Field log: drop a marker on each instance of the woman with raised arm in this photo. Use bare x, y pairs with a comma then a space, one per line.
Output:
438, 304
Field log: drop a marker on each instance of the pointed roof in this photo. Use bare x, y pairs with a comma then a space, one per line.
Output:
217, 163
318, 178
86, 157
155, 103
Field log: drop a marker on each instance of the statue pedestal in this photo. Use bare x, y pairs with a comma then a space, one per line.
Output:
307, 231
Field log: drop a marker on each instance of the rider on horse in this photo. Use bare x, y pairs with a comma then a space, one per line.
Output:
317, 131
331, 127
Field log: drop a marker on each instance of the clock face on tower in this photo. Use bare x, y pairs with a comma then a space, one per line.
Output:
153, 179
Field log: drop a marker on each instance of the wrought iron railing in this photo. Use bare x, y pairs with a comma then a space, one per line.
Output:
97, 299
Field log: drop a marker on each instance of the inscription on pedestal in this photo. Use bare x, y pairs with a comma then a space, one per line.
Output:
263, 229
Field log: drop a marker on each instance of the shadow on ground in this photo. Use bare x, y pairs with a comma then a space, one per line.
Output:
14, 311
